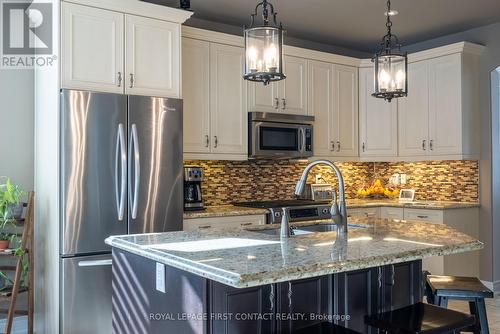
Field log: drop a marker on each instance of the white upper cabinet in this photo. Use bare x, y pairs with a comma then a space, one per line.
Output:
286, 96
108, 51
228, 92
446, 114
333, 101
152, 57
438, 119
414, 112
378, 120
321, 107
196, 91
92, 49
346, 110
293, 90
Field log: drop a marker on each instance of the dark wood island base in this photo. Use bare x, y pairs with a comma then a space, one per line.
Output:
193, 304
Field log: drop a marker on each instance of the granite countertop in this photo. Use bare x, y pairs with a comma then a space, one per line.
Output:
231, 210
245, 258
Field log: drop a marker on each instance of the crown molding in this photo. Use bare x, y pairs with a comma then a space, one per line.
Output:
460, 47
223, 38
139, 8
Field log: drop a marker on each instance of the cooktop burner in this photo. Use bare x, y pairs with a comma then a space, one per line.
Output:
278, 203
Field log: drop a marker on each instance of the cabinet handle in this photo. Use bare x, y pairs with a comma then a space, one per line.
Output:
132, 80
120, 79
424, 144
338, 146
216, 141
423, 217
431, 145
364, 147
284, 103
207, 140
204, 227
246, 224
332, 143
276, 103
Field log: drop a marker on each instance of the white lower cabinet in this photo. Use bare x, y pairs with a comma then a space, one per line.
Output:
391, 213
364, 213
221, 222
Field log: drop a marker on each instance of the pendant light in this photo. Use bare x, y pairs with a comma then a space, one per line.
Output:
264, 46
391, 65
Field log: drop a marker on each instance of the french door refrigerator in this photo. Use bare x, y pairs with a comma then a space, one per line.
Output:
121, 173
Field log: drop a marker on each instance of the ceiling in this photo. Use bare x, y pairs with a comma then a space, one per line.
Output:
356, 24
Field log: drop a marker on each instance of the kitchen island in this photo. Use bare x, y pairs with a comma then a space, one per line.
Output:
251, 281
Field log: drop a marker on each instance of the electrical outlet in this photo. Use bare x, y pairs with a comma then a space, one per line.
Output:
160, 277
402, 178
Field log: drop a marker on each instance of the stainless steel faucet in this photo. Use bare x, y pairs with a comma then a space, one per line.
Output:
338, 209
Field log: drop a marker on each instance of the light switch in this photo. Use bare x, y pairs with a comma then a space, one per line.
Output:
160, 277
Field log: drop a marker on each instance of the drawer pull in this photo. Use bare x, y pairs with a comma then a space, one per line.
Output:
246, 224
204, 227
423, 217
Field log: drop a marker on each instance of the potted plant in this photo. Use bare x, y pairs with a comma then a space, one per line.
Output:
5, 239
11, 206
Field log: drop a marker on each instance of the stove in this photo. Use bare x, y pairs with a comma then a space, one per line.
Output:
300, 210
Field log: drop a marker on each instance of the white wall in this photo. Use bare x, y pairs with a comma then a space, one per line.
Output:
16, 126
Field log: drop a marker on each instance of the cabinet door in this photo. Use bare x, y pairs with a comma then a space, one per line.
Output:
196, 92
236, 303
402, 285
293, 90
377, 120
152, 57
346, 110
358, 296
228, 100
445, 105
321, 107
92, 49
414, 112
306, 296
263, 98
391, 213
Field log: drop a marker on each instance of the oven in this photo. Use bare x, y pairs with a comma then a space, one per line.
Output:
279, 136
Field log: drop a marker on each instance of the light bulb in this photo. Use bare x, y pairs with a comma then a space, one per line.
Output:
270, 56
400, 79
384, 79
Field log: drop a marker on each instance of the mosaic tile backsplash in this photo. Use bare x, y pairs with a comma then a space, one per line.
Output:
233, 181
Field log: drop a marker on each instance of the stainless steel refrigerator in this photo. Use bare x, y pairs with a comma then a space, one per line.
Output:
121, 173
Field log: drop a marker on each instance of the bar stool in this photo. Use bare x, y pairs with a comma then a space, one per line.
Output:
440, 289
421, 318
325, 328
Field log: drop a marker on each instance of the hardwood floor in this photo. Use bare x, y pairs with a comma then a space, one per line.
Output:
492, 308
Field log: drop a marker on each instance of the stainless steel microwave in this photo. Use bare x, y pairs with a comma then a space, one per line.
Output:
279, 136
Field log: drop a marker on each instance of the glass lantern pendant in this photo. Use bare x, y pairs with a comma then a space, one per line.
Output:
264, 47
391, 65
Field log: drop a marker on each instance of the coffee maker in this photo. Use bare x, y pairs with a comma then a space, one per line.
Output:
193, 177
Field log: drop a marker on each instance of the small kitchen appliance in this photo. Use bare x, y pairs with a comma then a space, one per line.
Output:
279, 136
193, 178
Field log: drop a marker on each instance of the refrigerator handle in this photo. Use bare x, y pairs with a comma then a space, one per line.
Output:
120, 158
134, 144
96, 263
